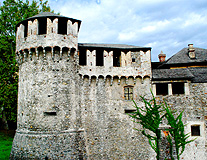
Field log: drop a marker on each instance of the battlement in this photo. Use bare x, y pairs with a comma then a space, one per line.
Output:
47, 29
113, 60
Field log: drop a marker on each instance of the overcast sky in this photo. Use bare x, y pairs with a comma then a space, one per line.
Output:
167, 25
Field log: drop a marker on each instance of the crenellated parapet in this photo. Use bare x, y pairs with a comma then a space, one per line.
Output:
114, 60
47, 29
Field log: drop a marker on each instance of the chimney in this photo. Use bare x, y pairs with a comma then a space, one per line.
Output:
161, 56
191, 51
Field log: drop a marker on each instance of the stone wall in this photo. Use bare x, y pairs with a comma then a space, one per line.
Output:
194, 107
67, 111
109, 130
49, 117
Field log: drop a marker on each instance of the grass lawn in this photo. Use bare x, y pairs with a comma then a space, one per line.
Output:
5, 144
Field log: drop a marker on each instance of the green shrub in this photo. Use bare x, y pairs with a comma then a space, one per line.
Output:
5, 145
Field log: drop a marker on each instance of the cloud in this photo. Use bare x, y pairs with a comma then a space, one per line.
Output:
162, 24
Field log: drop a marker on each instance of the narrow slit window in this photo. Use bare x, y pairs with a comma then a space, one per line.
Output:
116, 58
42, 26
128, 93
99, 58
129, 110
50, 113
161, 89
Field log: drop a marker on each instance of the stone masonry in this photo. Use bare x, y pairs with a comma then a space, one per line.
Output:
73, 105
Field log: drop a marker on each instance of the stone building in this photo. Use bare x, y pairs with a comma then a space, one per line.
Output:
73, 97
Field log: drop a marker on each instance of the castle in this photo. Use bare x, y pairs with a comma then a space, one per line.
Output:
73, 97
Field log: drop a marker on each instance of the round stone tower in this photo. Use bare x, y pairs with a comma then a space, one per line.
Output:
48, 125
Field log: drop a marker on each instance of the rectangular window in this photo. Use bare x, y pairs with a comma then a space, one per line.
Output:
128, 93
161, 89
178, 88
82, 57
195, 130
99, 57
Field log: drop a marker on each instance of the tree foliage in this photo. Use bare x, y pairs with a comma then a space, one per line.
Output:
177, 131
152, 116
11, 13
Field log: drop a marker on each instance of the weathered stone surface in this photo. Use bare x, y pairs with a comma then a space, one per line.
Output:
68, 111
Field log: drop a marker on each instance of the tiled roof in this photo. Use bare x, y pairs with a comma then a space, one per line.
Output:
115, 46
182, 56
196, 74
48, 14
200, 74
167, 74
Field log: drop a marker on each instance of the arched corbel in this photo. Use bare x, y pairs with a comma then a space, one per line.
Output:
37, 54
81, 78
44, 53
25, 55
96, 80
21, 57
61, 53
53, 52
89, 83
69, 49
142, 81
30, 54
104, 80
127, 80
119, 80
111, 81
134, 80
